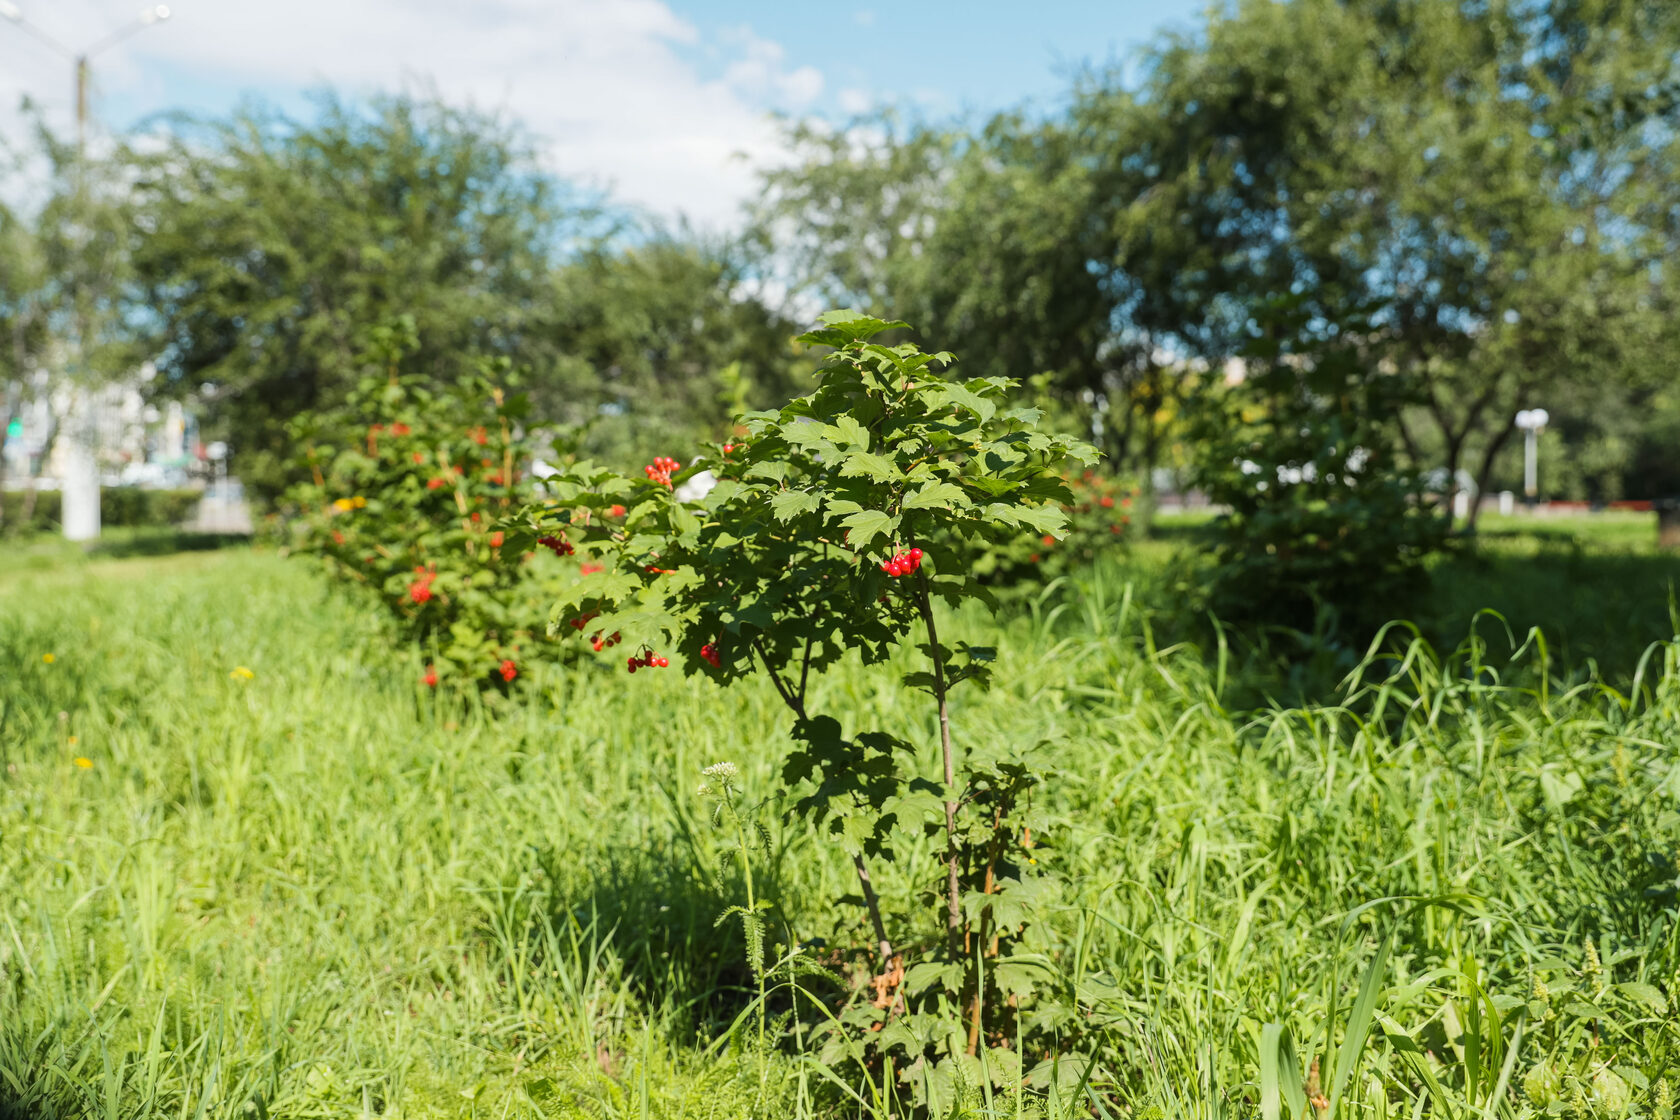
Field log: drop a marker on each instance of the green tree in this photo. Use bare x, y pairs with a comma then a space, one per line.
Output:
272, 244
1472, 188
661, 342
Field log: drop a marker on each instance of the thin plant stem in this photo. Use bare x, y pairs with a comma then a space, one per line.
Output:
953, 854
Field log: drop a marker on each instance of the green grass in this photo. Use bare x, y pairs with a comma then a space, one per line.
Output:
321, 892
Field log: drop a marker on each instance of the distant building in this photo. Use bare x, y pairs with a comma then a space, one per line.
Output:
138, 444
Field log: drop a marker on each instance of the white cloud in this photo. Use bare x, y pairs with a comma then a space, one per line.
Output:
854, 101
625, 93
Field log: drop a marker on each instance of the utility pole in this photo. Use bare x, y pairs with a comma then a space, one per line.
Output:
80, 494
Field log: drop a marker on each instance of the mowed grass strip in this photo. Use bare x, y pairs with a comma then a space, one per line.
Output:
286, 879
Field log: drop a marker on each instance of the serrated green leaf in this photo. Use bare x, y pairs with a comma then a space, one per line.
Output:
868, 524
788, 504
937, 495
864, 464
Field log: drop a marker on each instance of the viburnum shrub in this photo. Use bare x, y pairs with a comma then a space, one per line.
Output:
404, 488
1099, 522
814, 543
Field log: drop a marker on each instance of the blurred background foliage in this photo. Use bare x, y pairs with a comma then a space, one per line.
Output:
1448, 209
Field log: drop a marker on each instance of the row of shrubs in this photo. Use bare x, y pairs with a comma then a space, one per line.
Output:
407, 494
119, 507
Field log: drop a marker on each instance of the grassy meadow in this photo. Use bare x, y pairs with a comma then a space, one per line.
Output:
250, 867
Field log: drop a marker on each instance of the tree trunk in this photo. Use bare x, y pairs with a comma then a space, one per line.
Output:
1485, 472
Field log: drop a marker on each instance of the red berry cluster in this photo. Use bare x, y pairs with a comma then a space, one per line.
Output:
582, 620
560, 546
661, 469
479, 435
646, 661
709, 653
421, 589
431, 678
508, 670
601, 643
400, 429
435, 484
903, 563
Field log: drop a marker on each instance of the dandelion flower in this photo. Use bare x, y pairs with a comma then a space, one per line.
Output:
240, 673
48, 658
84, 763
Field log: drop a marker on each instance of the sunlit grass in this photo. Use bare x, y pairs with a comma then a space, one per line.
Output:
318, 890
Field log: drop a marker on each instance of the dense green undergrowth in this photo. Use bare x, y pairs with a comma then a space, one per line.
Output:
284, 879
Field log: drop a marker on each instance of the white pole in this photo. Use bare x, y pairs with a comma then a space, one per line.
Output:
80, 494
1531, 464
1531, 421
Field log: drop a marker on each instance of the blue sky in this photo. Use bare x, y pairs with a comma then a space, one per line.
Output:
666, 103
951, 57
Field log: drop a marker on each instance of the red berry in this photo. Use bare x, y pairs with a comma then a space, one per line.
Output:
509, 670
434, 483
916, 555
431, 678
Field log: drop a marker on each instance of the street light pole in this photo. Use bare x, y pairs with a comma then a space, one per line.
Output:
79, 511
1532, 421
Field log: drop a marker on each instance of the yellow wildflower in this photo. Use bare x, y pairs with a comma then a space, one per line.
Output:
84, 763
48, 658
343, 505
240, 673
358, 501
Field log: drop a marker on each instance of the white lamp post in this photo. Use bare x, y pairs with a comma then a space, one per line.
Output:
80, 510
1532, 421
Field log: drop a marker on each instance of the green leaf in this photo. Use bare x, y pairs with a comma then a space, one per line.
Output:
937, 495
868, 524
788, 504
683, 520
1648, 994
863, 464
849, 433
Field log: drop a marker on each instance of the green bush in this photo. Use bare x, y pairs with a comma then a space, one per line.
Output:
1099, 521
119, 507
403, 488
810, 547
1323, 530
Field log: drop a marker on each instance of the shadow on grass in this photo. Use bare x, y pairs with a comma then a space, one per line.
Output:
43, 552
660, 911
1596, 609
164, 542
1600, 595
